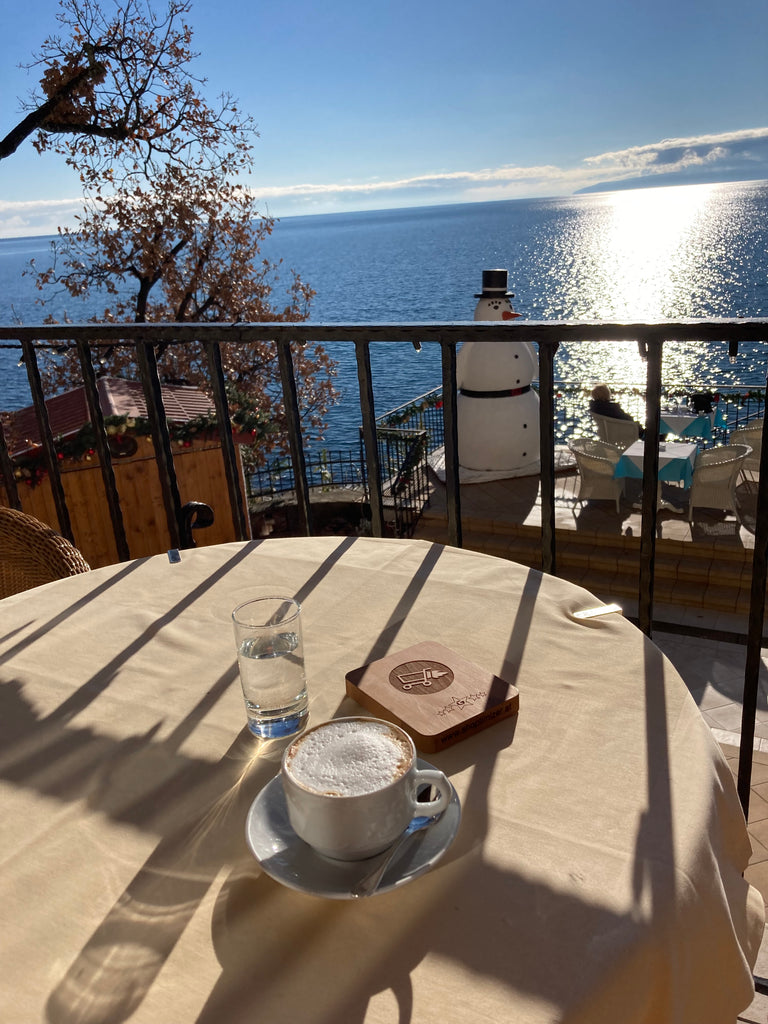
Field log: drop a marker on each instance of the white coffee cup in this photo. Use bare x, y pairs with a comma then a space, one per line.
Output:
351, 786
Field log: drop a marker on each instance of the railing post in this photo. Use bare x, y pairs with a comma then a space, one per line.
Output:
215, 369
451, 435
547, 455
293, 418
46, 436
367, 410
102, 449
146, 360
650, 486
755, 628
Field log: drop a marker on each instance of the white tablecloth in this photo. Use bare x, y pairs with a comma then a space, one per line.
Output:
676, 461
596, 875
687, 425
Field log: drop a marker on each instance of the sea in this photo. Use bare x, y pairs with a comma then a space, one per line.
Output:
687, 251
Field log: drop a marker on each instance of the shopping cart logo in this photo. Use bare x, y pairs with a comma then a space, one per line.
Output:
421, 677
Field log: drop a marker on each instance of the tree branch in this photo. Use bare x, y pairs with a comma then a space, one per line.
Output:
37, 118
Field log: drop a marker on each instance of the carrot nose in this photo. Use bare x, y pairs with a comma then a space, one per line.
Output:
509, 315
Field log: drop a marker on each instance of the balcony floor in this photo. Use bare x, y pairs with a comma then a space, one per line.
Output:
518, 500
705, 564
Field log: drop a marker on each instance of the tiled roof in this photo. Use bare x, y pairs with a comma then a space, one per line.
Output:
117, 397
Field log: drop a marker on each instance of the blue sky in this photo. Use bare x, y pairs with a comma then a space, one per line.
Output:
364, 105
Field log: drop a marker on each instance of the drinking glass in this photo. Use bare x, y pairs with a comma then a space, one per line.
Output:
270, 656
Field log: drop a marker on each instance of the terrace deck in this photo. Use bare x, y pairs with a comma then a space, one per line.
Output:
705, 564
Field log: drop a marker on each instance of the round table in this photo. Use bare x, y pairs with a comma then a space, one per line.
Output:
596, 874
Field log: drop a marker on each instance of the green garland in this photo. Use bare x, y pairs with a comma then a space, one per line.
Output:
30, 467
434, 400
121, 432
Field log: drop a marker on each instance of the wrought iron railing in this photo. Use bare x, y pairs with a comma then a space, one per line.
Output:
326, 469
147, 337
403, 465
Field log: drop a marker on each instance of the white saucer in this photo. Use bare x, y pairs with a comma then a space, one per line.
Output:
290, 861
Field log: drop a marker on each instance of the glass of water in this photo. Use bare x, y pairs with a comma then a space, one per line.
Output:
270, 656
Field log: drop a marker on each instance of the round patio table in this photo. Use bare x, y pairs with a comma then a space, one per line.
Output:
597, 870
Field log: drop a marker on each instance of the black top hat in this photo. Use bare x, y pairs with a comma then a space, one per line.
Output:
494, 285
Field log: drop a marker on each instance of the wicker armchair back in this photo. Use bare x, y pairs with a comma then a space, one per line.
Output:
31, 553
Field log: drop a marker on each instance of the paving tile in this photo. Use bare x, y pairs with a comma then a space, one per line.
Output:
757, 1013
726, 716
758, 833
730, 749
759, 771
758, 807
757, 875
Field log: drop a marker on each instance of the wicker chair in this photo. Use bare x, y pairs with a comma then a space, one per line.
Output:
715, 474
751, 435
621, 433
32, 553
597, 463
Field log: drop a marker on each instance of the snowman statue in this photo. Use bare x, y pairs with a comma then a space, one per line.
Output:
497, 409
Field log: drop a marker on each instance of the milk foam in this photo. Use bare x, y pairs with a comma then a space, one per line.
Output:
348, 758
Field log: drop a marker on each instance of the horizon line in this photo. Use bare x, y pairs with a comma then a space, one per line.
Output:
651, 182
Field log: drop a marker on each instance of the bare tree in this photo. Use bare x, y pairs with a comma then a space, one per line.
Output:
118, 83
167, 233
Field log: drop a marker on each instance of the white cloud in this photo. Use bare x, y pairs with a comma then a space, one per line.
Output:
36, 216
638, 157
744, 150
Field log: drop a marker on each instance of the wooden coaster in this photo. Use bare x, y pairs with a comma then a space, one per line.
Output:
433, 693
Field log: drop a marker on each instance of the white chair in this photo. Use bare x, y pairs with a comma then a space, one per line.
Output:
751, 435
596, 461
621, 433
715, 474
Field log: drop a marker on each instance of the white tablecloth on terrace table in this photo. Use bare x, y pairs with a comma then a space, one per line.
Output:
687, 425
596, 875
676, 461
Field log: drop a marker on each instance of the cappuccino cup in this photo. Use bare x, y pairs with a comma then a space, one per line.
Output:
351, 786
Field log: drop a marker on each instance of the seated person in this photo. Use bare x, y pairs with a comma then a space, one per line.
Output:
602, 404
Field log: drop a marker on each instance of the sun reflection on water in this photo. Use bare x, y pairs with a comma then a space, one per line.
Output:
649, 255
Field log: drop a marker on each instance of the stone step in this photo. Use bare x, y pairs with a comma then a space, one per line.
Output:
690, 574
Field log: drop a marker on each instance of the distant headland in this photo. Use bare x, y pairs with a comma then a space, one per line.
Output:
676, 178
